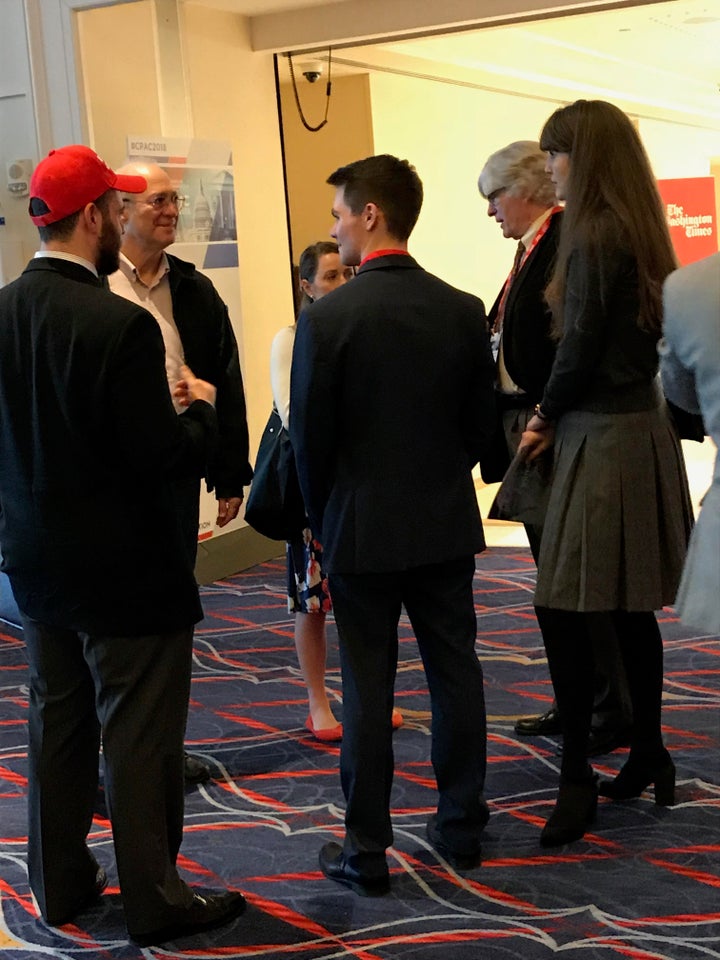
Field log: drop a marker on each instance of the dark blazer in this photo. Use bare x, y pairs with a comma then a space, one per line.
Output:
211, 353
89, 445
391, 403
528, 348
605, 363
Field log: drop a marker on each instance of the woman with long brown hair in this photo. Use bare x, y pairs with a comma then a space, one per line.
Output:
619, 515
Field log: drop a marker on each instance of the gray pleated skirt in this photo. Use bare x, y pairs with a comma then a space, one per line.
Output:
619, 515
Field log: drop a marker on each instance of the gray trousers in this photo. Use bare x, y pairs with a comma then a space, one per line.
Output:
132, 692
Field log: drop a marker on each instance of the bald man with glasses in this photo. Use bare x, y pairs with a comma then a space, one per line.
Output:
196, 330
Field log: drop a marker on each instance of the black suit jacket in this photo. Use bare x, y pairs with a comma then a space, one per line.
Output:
89, 442
528, 348
391, 403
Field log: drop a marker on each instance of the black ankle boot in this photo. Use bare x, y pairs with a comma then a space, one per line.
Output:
638, 773
574, 812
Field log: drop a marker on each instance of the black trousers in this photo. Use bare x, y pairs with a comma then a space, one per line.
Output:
439, 602
131, 692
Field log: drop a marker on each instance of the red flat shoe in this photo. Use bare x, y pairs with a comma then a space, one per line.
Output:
327, 734
396, 719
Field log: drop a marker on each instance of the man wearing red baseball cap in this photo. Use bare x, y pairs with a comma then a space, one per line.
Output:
90, 446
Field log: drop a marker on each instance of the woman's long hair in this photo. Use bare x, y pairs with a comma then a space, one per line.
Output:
609, 179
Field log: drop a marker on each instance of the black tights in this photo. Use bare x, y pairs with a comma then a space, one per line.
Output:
570, 659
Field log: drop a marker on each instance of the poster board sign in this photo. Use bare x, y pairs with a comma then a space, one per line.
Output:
691, 216
202, 173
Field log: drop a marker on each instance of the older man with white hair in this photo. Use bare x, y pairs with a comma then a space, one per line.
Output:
521, 198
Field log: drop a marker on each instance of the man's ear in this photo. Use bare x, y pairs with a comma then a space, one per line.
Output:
92, 218
371, 216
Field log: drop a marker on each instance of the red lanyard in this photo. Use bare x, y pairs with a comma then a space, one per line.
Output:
544, 227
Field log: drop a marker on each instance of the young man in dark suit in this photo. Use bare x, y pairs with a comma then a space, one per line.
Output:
397, 368
89, 448
521, 199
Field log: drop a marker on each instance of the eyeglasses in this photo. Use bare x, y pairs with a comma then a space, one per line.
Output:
493, 197
160, 201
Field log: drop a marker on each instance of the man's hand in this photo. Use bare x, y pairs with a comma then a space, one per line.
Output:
228, 508
190, 388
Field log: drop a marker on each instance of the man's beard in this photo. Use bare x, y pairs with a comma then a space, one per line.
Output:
108, 256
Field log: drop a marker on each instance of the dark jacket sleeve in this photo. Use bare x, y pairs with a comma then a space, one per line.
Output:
528, 347
312, 389
600, 331
211, 351
479, 412
230, 471
150, 438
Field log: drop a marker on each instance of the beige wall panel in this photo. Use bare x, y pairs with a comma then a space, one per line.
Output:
311, 157
117, 52
233, 98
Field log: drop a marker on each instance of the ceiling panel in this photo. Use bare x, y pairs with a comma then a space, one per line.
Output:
658, 59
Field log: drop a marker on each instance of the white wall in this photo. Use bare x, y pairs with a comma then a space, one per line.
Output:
679, 151
447, 132
18, 237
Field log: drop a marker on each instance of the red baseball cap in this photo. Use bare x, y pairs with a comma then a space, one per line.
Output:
70, 177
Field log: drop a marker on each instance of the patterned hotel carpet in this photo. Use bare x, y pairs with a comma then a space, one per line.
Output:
643, 884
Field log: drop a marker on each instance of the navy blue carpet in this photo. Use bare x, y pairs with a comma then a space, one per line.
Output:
644, 883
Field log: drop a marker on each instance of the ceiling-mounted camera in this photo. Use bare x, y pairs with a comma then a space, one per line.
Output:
311, 70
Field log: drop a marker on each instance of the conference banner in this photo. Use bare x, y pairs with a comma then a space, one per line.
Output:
691, 215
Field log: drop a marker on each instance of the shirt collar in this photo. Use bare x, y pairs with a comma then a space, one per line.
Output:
130, 271
71, 257
529, 235
390, 252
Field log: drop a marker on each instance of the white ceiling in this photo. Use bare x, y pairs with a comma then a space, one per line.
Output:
658, 58
664, 55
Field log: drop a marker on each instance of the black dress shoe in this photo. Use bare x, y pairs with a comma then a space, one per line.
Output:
335, 866
604, 741
195, 770
101, 881
204, 913
546, 723
458, 861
